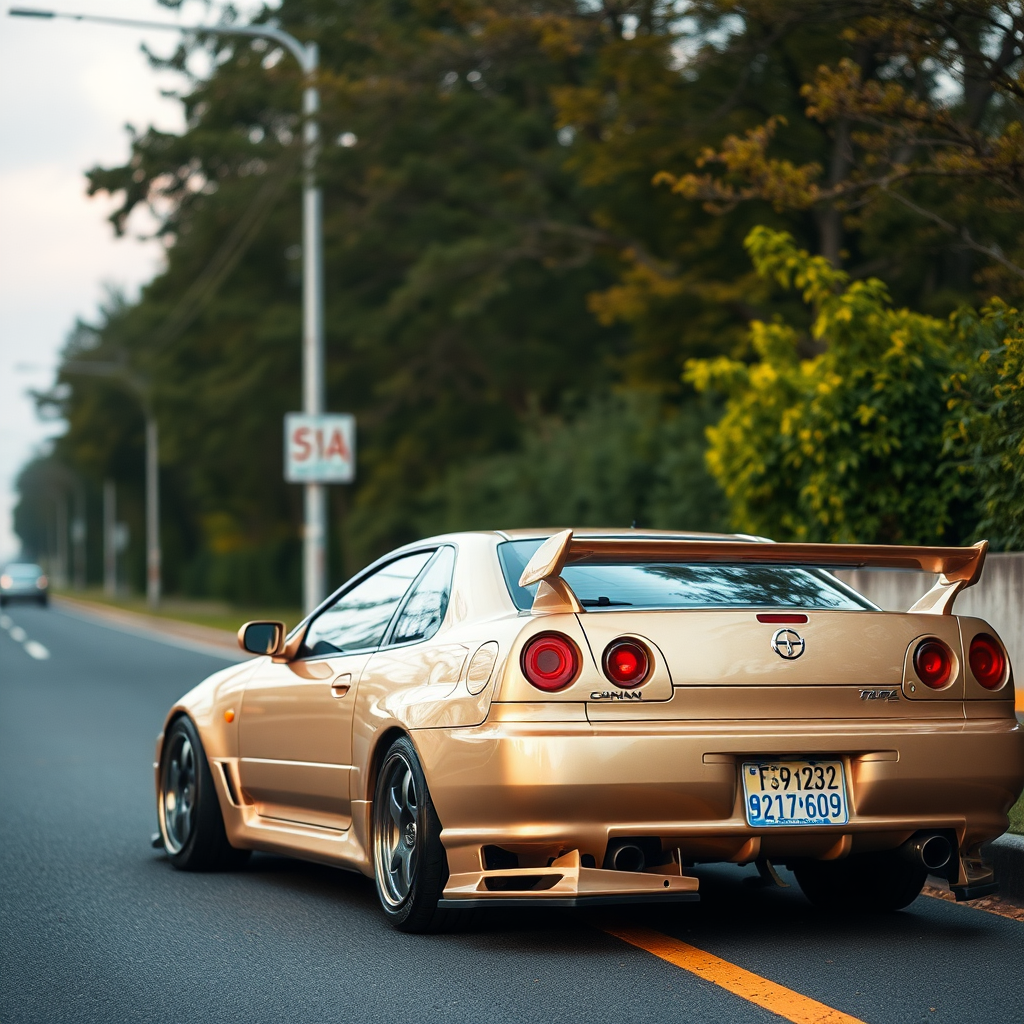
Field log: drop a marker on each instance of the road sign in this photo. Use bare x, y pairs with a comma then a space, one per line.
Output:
319, 449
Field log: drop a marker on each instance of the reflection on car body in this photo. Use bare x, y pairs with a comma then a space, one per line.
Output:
576, 718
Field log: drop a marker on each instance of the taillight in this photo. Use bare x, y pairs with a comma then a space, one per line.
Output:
988, 661
933, 663
626, 663
550, 661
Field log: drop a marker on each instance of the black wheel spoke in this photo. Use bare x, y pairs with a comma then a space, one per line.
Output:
396, 837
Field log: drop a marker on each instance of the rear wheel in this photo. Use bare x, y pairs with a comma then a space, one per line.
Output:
867, 883
189, 813
409, 862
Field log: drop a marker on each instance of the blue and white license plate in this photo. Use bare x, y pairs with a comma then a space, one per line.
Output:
794, 793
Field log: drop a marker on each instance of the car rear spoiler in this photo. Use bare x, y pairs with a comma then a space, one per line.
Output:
956, 568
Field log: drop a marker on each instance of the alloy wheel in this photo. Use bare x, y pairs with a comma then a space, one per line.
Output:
396, 830
179, 792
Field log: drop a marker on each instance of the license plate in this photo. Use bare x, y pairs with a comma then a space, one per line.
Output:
794, 793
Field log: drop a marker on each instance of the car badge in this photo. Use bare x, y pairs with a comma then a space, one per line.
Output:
788, 644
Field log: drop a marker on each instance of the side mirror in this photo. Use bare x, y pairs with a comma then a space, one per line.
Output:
261, 637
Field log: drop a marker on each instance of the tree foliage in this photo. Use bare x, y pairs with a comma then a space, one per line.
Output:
985, 432
510, 301
925, 121
847, 445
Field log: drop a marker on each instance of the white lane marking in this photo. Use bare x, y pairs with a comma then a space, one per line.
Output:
36, 650
33, 648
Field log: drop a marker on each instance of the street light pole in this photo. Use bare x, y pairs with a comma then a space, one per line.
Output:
140, 387
153, 577
314, 533
314, 536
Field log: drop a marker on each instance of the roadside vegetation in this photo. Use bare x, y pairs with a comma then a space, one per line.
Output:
694, 265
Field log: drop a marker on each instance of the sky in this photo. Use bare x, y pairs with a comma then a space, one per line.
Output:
68, 90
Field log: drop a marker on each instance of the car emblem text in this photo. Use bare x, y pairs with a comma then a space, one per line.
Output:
879, 695
788, 644
616, 695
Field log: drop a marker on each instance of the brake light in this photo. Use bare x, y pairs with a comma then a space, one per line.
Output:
626, 663
550, 662
933, 663
988, 661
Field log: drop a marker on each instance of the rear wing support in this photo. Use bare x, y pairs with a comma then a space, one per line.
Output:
957, 568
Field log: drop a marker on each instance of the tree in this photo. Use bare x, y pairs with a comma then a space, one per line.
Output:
847, 445
927, 149
985, 432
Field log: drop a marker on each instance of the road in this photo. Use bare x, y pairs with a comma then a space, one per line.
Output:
96, 926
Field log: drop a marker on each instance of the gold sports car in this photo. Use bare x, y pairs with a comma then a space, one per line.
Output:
540, 718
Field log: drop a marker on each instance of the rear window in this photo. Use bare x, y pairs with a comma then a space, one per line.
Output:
677, 585
21, 571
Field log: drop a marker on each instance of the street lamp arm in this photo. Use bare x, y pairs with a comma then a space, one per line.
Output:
113, 371
305, 55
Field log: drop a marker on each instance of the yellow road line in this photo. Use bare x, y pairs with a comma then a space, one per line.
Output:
764, 993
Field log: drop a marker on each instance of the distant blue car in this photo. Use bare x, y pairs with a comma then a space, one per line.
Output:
22, 581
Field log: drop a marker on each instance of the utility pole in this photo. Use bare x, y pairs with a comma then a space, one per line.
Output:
153, 578
314, 534
61, 562
141, 388
110, 538
78, 537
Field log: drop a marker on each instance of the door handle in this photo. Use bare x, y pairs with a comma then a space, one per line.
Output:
341, 685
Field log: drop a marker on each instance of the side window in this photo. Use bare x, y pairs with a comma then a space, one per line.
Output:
359, 617
421, 617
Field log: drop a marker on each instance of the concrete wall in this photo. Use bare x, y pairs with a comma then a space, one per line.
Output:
998, 598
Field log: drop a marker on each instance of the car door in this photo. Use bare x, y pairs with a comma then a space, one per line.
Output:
295, 730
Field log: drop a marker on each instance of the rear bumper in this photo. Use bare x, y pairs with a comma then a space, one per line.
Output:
542, 789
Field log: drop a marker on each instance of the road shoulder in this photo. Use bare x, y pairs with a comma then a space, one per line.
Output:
204, 639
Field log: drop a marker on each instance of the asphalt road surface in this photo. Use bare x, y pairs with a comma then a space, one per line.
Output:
97, 926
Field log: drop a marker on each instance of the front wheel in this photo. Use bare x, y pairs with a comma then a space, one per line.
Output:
866, 883
409, 862
189, 813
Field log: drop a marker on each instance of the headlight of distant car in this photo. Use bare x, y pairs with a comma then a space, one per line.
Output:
41, 582
6, 582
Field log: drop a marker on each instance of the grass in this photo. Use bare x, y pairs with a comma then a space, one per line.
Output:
215, 614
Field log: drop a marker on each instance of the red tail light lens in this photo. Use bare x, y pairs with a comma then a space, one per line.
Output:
988, 661
933, 663
626, 663
550, 661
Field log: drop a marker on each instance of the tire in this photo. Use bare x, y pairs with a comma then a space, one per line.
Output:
409, 863
44, 601
188, 811
867, 883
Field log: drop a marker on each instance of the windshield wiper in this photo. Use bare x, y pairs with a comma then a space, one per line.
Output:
604, 602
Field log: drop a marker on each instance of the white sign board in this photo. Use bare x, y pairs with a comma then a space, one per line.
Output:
319, 449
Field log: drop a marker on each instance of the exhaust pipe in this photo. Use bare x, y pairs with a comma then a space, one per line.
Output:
930, 850
627, 857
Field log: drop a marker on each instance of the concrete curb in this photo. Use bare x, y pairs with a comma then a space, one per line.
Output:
1007, 856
